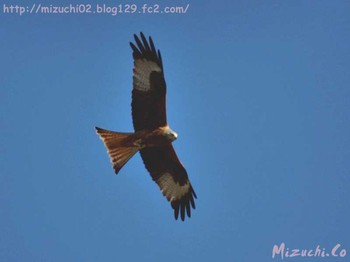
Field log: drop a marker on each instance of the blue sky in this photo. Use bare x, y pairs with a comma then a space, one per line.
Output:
258, 92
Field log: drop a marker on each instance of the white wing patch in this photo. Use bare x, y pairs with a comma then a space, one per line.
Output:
142, 72
172, 190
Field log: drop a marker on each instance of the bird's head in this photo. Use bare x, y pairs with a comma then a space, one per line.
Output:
170, 134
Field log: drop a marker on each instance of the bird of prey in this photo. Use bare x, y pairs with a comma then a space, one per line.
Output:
152, 137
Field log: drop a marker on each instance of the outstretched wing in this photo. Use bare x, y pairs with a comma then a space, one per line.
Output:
149, 112
170, 175
149, 88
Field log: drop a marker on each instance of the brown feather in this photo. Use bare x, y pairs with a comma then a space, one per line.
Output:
170, 175
120, 147
149, 87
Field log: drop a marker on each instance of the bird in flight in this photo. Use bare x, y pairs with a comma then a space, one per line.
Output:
152, 137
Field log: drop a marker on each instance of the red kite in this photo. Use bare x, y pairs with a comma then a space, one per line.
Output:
152, 136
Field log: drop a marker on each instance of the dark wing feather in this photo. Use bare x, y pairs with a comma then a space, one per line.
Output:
149, 112
170, 175
149, 88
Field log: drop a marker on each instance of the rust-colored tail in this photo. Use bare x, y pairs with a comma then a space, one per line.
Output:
120, 147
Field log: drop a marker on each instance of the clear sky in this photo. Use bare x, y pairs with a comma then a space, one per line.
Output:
258, 92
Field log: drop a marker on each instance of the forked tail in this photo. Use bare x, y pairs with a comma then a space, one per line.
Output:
120, 147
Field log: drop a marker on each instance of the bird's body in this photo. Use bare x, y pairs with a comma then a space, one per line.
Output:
160, 136
152, 137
